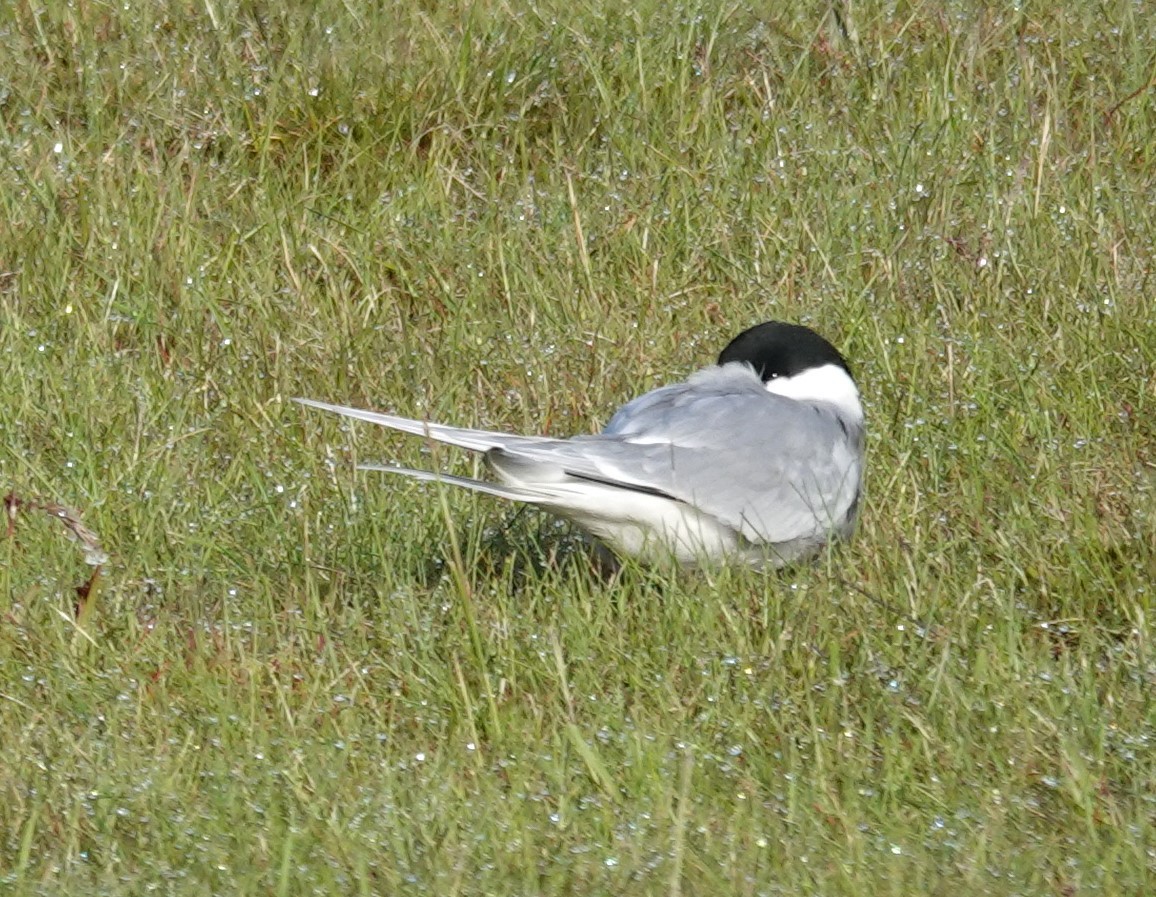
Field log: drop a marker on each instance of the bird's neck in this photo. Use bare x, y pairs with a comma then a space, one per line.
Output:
828, 383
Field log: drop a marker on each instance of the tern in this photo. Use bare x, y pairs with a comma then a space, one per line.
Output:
758, 458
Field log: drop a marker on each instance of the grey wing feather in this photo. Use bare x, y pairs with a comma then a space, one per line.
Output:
683, 412
516, 493
463, 437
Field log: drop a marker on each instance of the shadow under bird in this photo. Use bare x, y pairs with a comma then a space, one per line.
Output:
758, 458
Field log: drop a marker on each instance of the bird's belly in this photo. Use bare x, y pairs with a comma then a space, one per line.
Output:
655, 530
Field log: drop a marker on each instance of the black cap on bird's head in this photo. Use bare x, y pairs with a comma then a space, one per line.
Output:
776, 349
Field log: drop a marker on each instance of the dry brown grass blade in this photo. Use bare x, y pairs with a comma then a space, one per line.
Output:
94, 554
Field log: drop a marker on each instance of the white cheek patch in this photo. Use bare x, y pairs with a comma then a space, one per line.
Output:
826, 383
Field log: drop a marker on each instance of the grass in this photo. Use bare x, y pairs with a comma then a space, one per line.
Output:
517, 216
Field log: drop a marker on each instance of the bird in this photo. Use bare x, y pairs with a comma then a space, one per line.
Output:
757, 459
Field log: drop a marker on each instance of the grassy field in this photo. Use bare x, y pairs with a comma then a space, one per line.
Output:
290, 677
